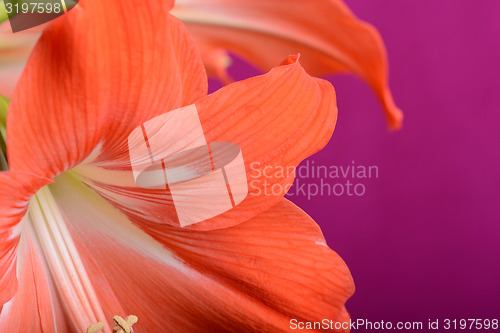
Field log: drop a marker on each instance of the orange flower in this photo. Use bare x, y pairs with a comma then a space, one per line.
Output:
80, 242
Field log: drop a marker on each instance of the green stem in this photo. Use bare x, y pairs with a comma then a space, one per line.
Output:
4, 105
3, 12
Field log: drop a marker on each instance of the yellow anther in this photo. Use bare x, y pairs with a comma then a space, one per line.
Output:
94, 328
124, 325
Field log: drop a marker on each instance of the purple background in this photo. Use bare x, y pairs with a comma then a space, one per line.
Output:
424, 242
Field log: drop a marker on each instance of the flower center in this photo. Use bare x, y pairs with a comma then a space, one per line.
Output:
66, 268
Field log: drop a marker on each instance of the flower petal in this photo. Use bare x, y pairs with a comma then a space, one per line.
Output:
97, 73
16, 189
252, 277
279, 257
326, 33
277, 119
36, 307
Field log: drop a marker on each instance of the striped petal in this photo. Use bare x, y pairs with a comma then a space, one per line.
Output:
95, 74
16, 189
36, 307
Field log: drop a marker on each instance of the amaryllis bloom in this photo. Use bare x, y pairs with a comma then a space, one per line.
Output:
80, 242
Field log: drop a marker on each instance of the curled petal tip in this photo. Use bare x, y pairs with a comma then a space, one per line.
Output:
292, 59
394, 114
396, 121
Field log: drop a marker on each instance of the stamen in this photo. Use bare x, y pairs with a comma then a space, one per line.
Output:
94, 328
64, 262
124, 325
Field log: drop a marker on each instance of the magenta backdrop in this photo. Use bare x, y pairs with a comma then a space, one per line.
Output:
424, 241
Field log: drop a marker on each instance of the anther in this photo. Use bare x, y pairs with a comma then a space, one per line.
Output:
94, 328
124, 325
